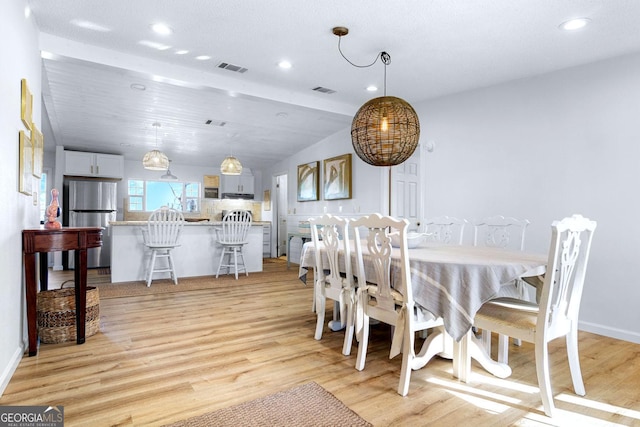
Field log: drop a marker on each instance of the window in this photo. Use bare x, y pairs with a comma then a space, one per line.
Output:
151, 195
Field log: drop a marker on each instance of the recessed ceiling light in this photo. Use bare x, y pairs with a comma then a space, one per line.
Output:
181, 52
203, 57
372, 88
574, 24
88, 25
138, 86
284, 65
160, 28
154, 45
27, 12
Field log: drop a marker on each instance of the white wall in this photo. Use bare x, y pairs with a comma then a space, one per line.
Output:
21, 59
545, 148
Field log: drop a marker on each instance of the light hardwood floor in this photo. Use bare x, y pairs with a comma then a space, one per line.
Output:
164, 358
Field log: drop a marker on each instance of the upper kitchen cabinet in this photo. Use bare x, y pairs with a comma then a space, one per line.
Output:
79, 163
238, 184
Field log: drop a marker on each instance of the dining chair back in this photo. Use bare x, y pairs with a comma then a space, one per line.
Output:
557, 313
232, 237
500, 232
380, 298
445, 229
161, 235
506, 233
333, 277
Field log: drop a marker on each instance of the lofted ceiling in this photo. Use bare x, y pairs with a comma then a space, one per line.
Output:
99, 55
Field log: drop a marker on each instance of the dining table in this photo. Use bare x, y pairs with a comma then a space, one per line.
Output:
452, 282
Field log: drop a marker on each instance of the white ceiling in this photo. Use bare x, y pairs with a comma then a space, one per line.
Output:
437, 47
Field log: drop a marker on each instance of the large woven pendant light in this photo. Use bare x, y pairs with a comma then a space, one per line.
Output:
156, 160
385, 131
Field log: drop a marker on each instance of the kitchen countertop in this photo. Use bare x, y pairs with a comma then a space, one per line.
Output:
187, 223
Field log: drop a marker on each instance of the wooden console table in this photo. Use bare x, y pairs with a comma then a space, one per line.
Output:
40, 241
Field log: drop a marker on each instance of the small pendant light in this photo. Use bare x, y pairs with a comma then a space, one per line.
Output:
231, 166
156, 160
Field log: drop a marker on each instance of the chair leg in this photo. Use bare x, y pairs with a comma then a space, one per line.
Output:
244, 265
544, 378
574, 362
152, 264
503, 349
362, 347
172, 266
224, 249
407, 356
235, 261
321, 302
348, 331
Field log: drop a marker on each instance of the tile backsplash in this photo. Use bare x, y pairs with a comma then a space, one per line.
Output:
209, 208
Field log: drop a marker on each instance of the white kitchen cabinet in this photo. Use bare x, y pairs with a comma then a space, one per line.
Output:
79, 163
238, 184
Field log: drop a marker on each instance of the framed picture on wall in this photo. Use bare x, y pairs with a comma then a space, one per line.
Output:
26, 106
267, 200
308, 187
26, 164
337, 177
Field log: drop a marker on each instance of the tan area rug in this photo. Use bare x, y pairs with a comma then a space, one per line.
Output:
305, 405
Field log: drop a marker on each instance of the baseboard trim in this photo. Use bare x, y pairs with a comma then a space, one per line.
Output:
10, 369
621, 334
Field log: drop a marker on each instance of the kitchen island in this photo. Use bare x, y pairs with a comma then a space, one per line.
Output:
198, 254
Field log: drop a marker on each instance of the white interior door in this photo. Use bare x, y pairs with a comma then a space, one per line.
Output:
406, 190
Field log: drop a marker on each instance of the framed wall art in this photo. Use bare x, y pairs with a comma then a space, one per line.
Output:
26, 165
308, 187
267, 200
337, 177
26, 105
37, 142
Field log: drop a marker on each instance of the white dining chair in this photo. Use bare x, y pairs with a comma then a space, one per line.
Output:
232, 237
161, 235
500, 232
506, 233
378, 299
557, 313
445, 229
333, 279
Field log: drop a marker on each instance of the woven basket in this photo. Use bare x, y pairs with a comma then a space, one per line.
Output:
57, 314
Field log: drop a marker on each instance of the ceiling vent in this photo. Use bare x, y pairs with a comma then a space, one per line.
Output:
215, 123
324, 90
231, 67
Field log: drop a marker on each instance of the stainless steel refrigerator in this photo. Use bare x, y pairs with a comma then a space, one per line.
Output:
92, 204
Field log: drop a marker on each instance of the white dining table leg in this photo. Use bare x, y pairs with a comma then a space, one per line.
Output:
439, 343
470, 347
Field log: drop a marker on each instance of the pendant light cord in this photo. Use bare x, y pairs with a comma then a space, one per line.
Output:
383, 56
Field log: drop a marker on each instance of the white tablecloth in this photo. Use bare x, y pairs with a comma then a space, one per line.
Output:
454, 281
